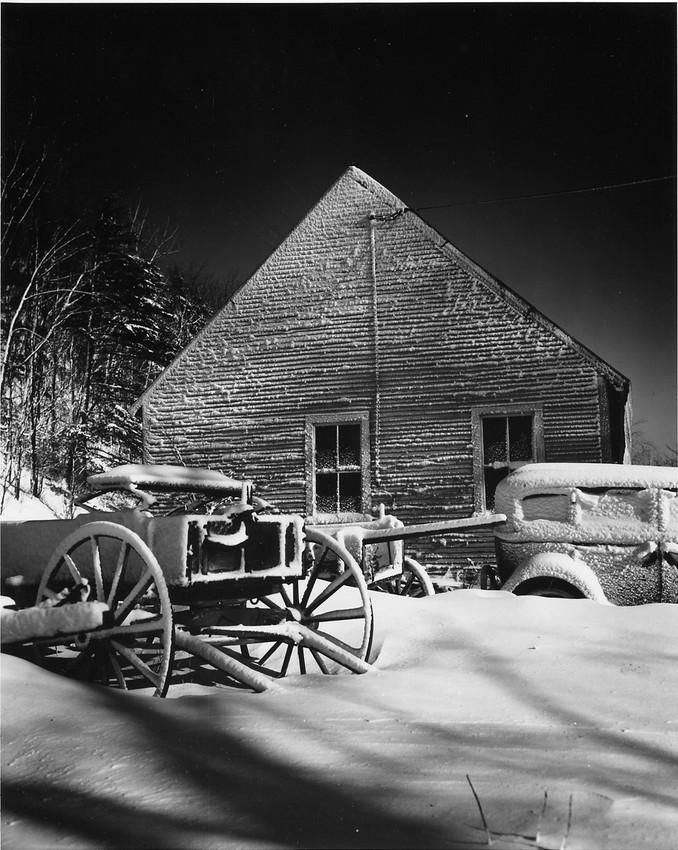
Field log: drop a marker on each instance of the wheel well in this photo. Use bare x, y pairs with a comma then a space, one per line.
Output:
543, 585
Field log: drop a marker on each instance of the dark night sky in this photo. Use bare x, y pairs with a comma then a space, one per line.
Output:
230, 121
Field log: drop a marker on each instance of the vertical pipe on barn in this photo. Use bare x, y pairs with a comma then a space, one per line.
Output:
377, 395
628, 425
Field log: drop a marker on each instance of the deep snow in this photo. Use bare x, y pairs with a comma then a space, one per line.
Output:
557, 710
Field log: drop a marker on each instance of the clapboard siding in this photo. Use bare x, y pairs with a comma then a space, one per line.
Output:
379, 315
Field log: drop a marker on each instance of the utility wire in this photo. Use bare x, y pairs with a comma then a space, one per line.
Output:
547, 194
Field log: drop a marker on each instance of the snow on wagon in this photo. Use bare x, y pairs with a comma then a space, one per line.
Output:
608, 532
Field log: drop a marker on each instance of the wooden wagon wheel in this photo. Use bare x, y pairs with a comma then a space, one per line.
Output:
333, 601
412, 581
113, 565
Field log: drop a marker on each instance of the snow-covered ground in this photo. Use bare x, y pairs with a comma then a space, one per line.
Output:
28, 507
562, 713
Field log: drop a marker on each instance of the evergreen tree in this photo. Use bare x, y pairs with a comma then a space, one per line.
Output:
89, 319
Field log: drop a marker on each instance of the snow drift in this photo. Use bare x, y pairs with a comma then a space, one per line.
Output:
562, 714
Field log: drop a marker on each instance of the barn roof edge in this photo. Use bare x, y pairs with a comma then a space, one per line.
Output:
352, 171
513, 299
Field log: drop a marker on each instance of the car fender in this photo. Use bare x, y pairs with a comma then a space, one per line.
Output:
560, 566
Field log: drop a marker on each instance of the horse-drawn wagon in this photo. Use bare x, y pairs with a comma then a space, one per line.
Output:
117, 596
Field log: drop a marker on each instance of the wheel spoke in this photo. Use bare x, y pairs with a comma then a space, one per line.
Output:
339, 614
286, 660
116, 669
309, 586
286, 598
320, 661
252, 663
135, 661
119, 571
96, 568
138, 590
331, 588
322, 558
407, 585
74, 571
302, 659
336, 641
270, 603
264, 658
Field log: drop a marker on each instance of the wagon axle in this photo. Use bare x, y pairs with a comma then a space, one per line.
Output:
240, 612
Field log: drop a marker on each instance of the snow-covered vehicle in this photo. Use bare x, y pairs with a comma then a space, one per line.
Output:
608, 532
264, 591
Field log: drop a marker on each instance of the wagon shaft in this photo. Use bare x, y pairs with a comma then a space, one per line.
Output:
48, 622
238, 671
428, 528
214, 649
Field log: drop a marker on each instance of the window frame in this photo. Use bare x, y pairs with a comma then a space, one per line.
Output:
536, 411
342, 417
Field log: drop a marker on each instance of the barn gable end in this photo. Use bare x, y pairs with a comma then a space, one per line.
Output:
366, 316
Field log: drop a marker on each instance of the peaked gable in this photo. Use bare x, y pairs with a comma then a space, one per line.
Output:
386, 206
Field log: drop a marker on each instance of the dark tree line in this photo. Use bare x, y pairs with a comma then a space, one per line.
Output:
91, 313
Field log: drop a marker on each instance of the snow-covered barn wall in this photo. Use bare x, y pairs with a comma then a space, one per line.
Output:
365, 315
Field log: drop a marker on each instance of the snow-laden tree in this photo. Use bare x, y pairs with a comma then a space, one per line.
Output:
89, 318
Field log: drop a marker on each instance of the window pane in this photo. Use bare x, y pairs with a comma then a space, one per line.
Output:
492, 478
349, 445
494, 440
326, 493
520, 438
349, 492
339, 466
325, 446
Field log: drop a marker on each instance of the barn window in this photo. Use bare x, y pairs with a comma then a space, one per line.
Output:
337, 464
502, 442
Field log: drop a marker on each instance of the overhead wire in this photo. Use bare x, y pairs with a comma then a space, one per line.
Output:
581, 191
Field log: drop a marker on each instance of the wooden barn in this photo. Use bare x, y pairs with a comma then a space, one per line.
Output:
369, 361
